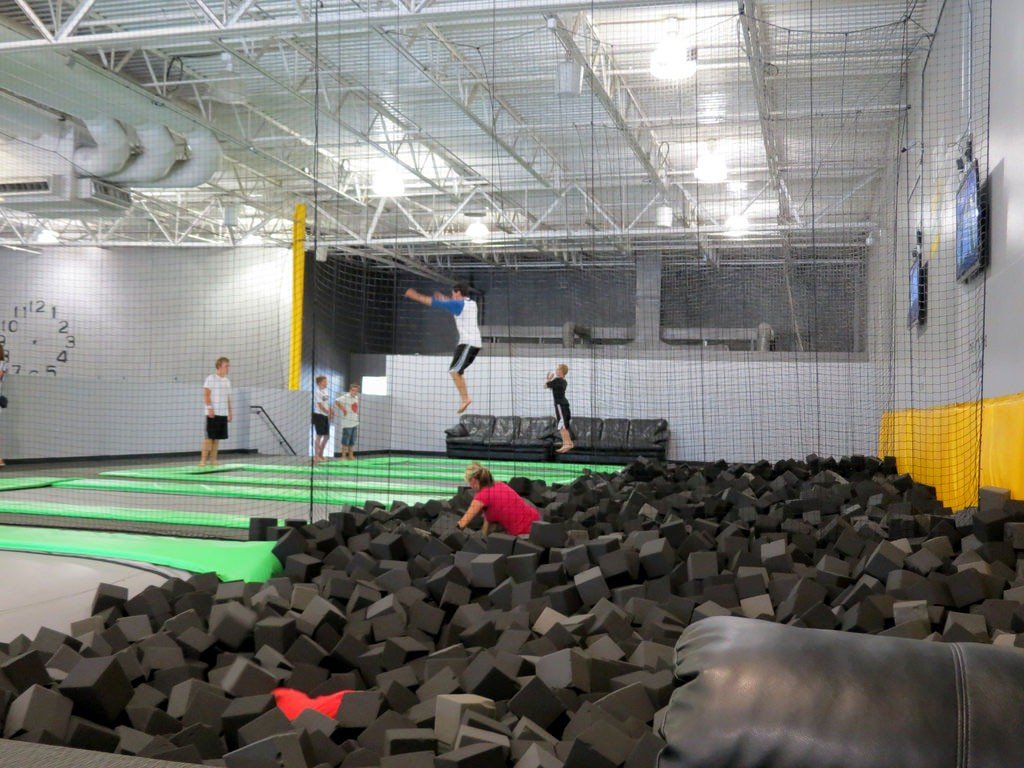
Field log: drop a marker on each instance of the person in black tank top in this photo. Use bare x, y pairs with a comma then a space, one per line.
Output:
557, 384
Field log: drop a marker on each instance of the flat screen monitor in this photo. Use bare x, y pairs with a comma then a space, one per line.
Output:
918, 311
970, 246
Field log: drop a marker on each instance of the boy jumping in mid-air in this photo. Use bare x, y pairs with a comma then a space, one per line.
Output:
464, 311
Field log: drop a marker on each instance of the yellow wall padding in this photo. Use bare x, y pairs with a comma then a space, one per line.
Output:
298, 282
1002, 443
937, 446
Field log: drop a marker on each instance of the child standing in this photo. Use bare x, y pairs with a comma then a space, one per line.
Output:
348, 404
217, 399
322, 413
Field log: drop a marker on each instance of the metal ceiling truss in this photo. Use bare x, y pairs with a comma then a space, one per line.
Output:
757, 56
601, 73
526, 178
350, 20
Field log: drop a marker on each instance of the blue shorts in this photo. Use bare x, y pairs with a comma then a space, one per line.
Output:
348, 436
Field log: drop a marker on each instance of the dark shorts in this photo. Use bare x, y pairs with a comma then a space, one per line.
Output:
348, 436
321, 424
217, 427
563, 416
463, 358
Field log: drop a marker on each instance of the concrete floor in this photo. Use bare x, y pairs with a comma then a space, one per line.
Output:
54, 590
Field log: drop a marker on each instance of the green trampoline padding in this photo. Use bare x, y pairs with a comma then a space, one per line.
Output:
319, 482
231, 560
124, 514
302, 495
23, 483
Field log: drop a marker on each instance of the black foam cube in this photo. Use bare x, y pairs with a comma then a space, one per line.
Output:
99, 689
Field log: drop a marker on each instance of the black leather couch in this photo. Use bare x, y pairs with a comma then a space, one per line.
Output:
534, 438
529, 438
615, 441
755, 694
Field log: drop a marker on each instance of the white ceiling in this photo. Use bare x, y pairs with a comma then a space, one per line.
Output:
803, 99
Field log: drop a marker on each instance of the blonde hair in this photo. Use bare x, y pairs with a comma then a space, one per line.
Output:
219, 361
562, 369
480, 473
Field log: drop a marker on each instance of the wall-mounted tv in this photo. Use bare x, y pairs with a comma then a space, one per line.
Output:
970, 242
918, 310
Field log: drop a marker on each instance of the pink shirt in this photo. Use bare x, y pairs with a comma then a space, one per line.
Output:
504, 506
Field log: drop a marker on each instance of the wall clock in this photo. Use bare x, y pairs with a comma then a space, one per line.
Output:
38, 339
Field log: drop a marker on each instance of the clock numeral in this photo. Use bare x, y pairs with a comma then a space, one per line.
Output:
63, 327
69, 342
11, 326
3, 340
51, 369
62, 356
16, 367
38, 305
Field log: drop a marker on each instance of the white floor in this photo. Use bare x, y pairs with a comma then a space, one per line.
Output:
54, 590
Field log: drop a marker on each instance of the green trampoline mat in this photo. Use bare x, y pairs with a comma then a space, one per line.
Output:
532, 466
320, 483
161, 472
23, 483
230, 560
439, 473
124, 514
302, 495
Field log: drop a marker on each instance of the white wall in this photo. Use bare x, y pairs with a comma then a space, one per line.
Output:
1004, 315
147, 325
738, 410
939, 362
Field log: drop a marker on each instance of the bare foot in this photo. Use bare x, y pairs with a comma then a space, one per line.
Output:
564, 449
464, 406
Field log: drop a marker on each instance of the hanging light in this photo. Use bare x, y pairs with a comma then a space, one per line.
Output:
737, 225
711, 167
664, 215
44, 236
477, 231
672, 59
387, 178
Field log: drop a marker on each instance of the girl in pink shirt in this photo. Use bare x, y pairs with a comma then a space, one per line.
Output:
499, 503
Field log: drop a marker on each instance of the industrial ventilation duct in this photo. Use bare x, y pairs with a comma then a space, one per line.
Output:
51, 177
148, 156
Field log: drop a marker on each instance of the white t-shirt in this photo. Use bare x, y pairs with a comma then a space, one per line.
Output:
350, 416
220, 393
466, 323
322, 397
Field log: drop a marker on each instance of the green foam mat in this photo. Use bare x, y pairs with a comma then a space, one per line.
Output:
300, 495
123, 514
230, 560
23, 483
320, 483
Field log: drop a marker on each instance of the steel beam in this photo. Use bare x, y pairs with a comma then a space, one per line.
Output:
773, 148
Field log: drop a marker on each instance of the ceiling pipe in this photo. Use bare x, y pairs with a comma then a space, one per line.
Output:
159, 153
203, 161
112, 152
